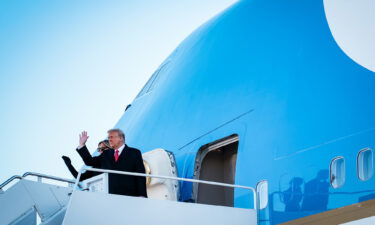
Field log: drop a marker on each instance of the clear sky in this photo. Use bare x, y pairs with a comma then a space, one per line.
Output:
68, 66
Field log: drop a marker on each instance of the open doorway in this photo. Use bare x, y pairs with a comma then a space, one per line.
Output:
216, 162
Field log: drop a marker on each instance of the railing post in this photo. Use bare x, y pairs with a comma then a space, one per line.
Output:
77, 179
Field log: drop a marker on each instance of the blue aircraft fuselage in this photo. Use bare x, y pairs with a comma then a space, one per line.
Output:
272, 73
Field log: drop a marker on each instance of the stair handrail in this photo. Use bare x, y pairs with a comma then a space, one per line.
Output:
5, 183
169, 178
40, 176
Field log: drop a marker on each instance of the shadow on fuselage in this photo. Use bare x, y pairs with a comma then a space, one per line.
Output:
293, 195
314, 196
303, 198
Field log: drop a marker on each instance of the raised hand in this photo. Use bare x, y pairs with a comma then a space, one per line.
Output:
83, 138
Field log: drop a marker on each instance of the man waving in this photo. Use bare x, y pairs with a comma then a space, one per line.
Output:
121, 157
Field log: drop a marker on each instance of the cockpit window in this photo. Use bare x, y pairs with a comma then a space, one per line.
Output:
152, 81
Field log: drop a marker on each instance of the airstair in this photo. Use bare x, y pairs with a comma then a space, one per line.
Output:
55, 205
27, 200
35, 202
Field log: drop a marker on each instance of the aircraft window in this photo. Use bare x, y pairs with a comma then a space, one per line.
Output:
365, 167
337, 172
262, 191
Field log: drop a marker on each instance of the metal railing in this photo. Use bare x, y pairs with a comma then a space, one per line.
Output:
170, 178
39, 177
5, 183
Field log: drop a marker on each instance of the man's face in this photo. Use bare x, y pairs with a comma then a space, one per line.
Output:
115, 141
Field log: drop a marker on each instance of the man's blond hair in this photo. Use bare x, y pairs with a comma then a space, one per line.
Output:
119, 132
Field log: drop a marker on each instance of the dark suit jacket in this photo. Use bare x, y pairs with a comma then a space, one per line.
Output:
130, 160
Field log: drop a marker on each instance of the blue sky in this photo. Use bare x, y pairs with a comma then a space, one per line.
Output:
68, 66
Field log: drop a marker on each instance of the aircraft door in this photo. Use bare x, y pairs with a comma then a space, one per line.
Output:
216, 162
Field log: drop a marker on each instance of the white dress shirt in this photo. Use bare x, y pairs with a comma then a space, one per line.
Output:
120, 149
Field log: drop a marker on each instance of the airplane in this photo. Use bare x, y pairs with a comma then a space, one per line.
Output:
277, 95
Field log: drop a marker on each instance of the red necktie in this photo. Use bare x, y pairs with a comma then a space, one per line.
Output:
116, 155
